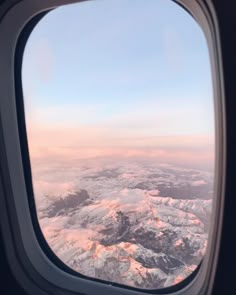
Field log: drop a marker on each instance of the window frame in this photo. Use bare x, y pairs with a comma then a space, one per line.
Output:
32, 267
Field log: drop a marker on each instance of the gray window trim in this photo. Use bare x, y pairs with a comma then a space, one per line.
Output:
18, 224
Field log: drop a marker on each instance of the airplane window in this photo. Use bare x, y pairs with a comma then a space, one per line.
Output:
120, 123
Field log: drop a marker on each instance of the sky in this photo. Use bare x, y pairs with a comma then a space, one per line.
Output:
115, 76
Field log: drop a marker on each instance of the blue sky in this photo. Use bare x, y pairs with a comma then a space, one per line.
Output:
139, 67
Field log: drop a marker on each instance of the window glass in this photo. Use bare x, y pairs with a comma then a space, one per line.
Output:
120, 123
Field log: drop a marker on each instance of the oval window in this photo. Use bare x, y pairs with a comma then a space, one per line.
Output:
120, 123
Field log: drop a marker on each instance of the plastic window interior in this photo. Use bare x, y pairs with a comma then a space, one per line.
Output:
57, 277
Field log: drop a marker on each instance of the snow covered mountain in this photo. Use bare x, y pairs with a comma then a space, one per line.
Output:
138, 223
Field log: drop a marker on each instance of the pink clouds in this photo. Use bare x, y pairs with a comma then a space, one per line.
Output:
198, 182
56, 188
51, 145
187, 156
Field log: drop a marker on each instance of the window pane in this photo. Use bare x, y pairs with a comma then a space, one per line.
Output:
120, 122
